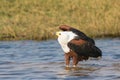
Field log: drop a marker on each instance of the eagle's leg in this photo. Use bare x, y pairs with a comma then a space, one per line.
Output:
67, 59
75, 61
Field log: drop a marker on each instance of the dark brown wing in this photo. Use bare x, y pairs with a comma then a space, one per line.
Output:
84, 48
80, 34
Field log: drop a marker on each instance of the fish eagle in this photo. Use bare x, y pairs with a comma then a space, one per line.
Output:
76, 45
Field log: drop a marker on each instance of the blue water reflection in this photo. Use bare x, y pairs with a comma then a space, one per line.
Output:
38, 60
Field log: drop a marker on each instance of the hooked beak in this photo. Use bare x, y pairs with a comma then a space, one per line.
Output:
58, 33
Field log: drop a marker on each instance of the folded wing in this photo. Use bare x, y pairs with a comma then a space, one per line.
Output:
84, 48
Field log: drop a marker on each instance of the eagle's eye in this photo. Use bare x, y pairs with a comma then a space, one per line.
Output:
59, 33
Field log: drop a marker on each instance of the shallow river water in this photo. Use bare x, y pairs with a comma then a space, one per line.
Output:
44, 60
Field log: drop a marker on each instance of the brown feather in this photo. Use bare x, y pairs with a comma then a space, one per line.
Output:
64, 27
72, 55
78, 42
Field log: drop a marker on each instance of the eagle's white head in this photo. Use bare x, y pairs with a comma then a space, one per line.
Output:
64, 37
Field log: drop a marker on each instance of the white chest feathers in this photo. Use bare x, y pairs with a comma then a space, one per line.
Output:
64, 38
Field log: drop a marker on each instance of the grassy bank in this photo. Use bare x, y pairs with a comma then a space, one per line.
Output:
39, 19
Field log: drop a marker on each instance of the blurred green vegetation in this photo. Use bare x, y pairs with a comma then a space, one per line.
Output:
39, 19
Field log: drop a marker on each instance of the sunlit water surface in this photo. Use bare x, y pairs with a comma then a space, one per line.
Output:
44, 60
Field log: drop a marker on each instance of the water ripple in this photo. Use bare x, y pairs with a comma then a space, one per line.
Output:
34, 60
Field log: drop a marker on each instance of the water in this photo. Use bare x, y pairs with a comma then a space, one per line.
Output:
34, 60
